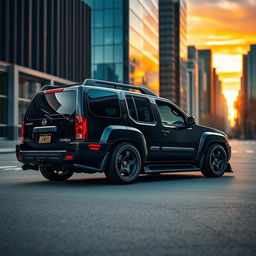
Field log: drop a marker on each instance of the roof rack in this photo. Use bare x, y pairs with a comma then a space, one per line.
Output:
115, 85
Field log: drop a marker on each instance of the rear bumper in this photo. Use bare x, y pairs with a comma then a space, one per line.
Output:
78, 156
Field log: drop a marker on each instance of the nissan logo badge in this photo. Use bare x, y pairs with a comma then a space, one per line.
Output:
44, 122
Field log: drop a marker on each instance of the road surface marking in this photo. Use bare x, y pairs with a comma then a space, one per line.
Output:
249, 151
10, 168
234, 151
4, 167
15, 168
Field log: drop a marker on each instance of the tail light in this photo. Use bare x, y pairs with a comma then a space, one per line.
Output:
81, 128
22, 132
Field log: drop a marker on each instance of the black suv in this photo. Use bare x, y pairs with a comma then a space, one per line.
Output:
119, 129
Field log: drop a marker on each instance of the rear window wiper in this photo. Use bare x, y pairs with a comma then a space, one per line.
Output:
46, 113
59, 114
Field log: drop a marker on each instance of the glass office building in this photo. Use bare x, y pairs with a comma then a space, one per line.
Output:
182, 10
173, 51
125, 41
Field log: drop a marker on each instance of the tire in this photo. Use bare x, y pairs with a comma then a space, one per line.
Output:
124, 164
215, 161
54, 174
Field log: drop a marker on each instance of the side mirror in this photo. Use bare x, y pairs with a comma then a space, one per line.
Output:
191, 121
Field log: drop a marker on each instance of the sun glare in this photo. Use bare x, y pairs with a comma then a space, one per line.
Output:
227, 28
232, 113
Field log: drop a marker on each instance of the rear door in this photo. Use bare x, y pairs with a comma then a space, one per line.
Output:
50, 119
142, 116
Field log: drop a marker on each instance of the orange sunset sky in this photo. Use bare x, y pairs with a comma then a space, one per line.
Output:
227, 27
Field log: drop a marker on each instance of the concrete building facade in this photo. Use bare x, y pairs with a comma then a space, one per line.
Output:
42, 42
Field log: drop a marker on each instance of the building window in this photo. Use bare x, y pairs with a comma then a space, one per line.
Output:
3, 104
27, 88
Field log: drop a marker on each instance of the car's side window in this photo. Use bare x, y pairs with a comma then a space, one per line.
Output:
103, 103
169, 115
141, 110
131, 107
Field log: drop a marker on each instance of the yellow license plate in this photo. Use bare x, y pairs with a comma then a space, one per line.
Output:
44, 139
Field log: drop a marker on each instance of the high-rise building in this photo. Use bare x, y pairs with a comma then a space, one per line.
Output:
206, 56
251, 72
246, 103
219, 105
193, 83
125, 41
173, 50
42, 42
201, 87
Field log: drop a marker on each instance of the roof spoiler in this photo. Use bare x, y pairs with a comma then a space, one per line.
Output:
49, 86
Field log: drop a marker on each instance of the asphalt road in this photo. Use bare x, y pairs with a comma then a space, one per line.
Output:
175, 214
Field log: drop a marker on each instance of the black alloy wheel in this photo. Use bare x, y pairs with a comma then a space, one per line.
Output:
215, 162
124, 164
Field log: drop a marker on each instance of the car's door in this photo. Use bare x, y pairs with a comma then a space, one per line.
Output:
178, 140
141, 115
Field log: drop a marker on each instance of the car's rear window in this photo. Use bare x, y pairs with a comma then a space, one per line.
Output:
52, 104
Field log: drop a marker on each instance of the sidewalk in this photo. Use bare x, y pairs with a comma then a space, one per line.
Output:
8, 146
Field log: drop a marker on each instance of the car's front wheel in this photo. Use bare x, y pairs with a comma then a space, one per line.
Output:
215, 161
124, 164
56, 174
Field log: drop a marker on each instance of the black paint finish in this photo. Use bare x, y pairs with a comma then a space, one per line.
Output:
169, 145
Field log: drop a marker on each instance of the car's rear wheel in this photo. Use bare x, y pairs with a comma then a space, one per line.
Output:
215, 161
56, 174
124, 164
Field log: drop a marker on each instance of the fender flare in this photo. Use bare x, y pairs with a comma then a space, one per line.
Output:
206, 139
115, 133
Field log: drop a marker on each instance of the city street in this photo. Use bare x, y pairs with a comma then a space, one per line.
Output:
168, 214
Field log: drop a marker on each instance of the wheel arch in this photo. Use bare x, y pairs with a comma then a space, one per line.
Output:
116, 134
207, 139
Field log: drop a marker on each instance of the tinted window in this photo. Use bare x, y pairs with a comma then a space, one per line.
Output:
143, 109
169, 115
131, 107
103, 103
52, 104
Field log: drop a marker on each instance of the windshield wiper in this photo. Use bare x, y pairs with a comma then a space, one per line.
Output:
59, 114
47, 114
